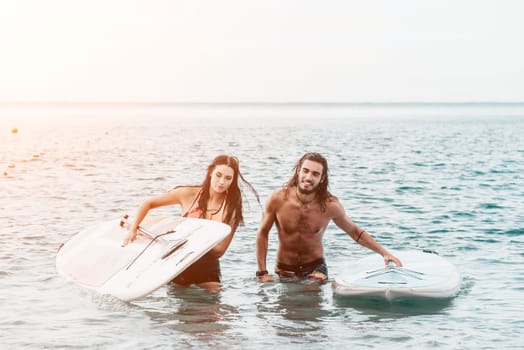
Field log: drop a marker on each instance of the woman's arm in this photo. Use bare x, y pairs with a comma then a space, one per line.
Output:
170, 198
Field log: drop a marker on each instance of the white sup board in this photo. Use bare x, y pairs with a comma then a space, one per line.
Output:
423, 274
95, 258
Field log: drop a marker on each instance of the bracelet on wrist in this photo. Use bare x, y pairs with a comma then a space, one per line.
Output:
261, 273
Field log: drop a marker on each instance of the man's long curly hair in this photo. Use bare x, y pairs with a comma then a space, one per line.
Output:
322, 191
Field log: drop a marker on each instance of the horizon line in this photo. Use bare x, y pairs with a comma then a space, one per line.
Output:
249, 103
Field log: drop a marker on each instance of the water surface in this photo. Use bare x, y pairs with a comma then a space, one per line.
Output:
447, 178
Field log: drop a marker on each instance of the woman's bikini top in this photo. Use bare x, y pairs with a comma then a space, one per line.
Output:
195, 211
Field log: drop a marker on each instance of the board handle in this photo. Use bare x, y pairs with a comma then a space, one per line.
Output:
177, 245
124, 223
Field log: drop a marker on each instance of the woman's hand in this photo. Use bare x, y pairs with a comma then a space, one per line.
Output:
130, 237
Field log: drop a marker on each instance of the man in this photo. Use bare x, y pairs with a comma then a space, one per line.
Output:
301, 210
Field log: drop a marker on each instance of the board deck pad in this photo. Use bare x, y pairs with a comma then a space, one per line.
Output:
95, 258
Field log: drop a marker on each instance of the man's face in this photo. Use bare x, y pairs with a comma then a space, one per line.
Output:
309, 176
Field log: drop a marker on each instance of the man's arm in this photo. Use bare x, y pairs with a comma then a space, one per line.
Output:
359, 235
266, 223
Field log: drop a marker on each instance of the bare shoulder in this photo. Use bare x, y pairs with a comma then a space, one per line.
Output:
184, 193
279, 194
276, 198
185, 190
334, 208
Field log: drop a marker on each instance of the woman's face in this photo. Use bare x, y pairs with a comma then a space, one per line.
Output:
221, 178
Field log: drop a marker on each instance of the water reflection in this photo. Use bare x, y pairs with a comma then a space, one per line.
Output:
381, 308
294, 310
191, 310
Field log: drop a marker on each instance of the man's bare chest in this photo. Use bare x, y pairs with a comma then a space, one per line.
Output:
302, 220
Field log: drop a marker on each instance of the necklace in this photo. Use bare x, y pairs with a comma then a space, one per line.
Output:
303, 204
219, 208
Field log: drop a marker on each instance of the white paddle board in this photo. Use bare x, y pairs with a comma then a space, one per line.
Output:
423, 274
164, 248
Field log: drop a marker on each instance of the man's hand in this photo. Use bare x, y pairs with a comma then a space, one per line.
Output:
265, 278
388, 257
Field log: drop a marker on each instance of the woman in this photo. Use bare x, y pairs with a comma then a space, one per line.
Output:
219, 198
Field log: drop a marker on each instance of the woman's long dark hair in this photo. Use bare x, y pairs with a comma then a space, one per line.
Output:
233, 205
322, 194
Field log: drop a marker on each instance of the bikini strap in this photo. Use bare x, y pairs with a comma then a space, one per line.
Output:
197, 197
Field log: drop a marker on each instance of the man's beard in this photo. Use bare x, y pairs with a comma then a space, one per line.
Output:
306, 192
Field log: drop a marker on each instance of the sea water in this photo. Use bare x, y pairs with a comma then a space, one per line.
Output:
443, 177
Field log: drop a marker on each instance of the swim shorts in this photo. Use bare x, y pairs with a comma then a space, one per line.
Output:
315, 272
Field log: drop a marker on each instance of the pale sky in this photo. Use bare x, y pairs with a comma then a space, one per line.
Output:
262, 51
